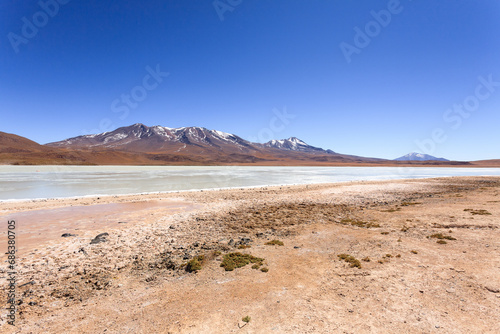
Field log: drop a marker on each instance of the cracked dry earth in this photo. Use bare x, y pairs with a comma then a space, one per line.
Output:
424, 258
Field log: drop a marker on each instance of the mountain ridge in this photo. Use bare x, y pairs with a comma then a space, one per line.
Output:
193, 140
139, 144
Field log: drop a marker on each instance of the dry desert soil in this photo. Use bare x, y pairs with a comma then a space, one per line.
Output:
406, 256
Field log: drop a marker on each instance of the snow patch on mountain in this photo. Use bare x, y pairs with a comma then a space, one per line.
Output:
414, 156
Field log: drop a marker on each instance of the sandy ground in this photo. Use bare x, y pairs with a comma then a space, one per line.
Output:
136, 280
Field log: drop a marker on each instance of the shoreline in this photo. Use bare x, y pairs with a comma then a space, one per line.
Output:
110, 198
491, 163
14, 201
140, 263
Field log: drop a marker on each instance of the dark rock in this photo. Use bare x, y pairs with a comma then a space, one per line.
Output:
492, 289
245, 241
296, 247
122, 222
172, 227
65, 235
231, 242
100, 238
259, 235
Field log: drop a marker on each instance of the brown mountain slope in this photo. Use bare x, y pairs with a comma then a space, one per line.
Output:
486, 163
209, 146
142, 145
11, 143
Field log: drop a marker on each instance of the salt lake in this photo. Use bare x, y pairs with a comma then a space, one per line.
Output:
32, 182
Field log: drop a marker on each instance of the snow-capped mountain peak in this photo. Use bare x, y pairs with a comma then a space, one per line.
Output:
414, 156
294, 144
139, 137
192, 140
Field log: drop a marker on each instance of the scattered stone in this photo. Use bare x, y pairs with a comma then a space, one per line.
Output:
296, 247
491, 289
100, 238
66, 235
245, 240
122, 222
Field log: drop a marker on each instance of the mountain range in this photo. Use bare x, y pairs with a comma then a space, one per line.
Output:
139, 144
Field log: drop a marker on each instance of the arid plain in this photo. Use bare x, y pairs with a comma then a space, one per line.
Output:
407, 256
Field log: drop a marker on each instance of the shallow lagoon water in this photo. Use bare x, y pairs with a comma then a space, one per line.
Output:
31, 182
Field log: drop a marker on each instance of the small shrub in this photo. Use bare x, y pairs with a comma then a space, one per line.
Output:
440, 236
399, 240
275, 242
441, 242
358, 223
353, 262
384, 233
246, 319
478, 212
405, 229
392, 210
414, 252
388, 255
399, 255
264, 270
366, 259
409, 203
195, 264
255, 266
232, 261
244, 246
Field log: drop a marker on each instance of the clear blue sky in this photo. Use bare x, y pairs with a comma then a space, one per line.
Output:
73, 75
